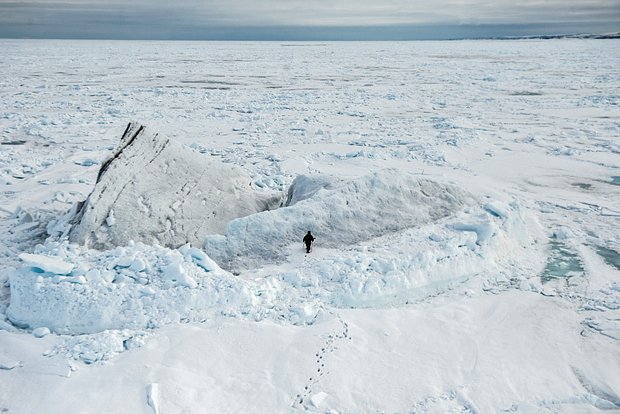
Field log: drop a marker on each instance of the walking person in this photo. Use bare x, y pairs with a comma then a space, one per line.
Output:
308, 239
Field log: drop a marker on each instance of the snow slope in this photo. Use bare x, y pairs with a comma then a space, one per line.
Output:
467, 355
509, 302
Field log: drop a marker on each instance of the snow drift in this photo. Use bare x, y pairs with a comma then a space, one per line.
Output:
338, 213
154, 190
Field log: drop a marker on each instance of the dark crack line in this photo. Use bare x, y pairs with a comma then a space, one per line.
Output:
119, 150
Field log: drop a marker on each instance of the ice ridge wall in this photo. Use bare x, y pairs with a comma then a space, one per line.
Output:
339, 214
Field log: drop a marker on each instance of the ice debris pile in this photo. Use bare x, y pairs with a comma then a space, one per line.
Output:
387, 238
155, 190
72, 289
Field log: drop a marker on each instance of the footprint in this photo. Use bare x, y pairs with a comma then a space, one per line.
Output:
329, 346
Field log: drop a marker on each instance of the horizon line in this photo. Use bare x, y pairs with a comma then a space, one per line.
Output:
314, 33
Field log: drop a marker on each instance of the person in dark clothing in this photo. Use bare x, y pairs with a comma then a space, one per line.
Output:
308, 239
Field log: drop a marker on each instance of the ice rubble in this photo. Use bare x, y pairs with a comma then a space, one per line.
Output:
136, 286
140, 286
154, 190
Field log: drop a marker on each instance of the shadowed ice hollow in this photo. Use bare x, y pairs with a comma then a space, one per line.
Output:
340, 213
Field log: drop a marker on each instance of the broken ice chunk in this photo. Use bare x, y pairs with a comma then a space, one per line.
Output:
176, 272
8, 363
318, 398
41, 332
152, 396
47, 264
203, 260
110, 220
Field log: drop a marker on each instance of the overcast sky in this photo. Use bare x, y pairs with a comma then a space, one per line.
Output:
304, 19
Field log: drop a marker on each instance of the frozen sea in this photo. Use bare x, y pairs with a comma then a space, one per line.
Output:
446, 317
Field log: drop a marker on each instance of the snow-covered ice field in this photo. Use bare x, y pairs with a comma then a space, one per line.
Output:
464, 197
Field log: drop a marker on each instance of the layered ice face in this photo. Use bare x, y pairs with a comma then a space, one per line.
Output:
155, 190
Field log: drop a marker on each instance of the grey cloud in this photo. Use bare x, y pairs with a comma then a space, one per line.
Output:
187, 18
396, 12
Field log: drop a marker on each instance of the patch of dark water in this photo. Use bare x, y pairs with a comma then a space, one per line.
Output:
583, 186
526, 93
16, 142
561, 263
209, 82
615, 180
611, 257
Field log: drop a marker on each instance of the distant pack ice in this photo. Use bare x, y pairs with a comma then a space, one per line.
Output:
154, 190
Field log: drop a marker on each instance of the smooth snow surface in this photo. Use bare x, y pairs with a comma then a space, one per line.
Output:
464, 198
